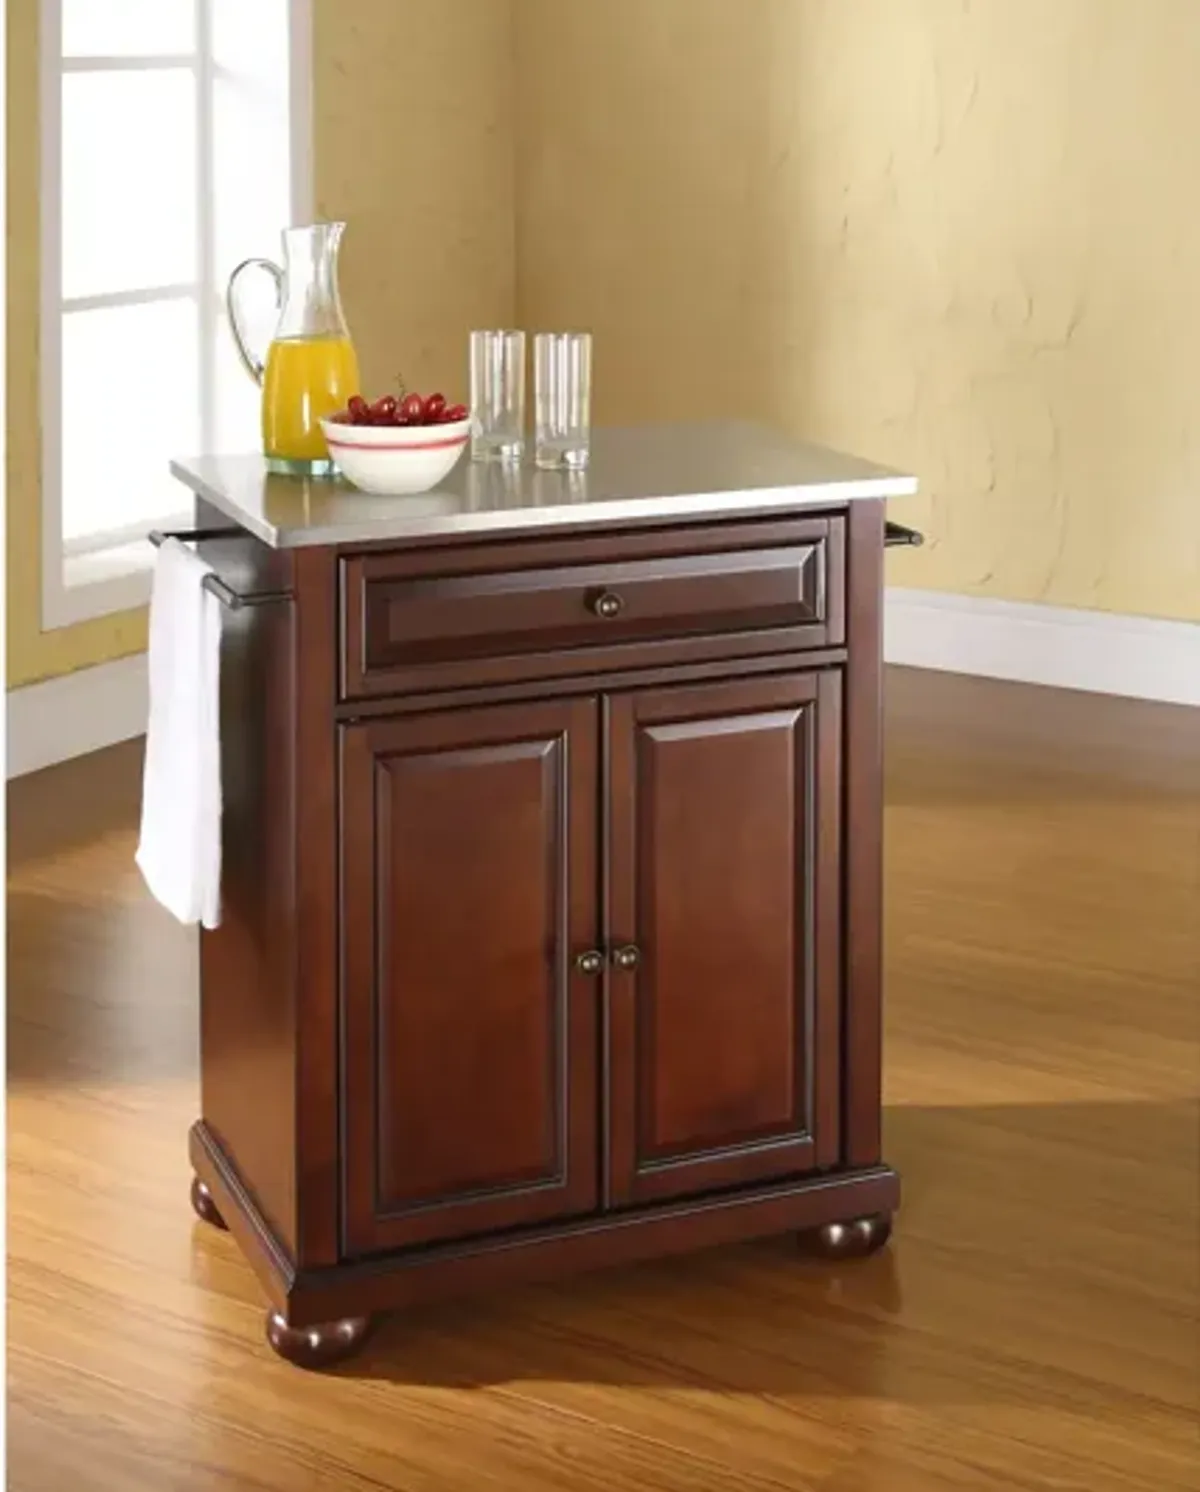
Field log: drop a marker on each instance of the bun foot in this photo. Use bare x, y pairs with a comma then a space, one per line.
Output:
316, 1346
851, 1240
204, 1207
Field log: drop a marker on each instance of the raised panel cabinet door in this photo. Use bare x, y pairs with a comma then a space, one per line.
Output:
470, 1035
723, 813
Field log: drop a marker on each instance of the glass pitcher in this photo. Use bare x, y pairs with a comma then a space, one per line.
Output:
311, 369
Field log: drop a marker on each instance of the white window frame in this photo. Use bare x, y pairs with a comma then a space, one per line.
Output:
105, 574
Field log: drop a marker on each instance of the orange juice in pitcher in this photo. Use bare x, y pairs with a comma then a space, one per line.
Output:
305, 379
311, 369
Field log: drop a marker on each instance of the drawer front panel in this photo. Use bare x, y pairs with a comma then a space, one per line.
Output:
445, 619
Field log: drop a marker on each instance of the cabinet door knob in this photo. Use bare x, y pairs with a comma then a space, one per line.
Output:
627, 957
608, 605
590, 962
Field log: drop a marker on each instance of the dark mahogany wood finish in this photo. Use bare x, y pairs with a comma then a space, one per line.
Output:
205, 1207
723, 807
315, 951
468, 892
317, 1346
551, 909
546, 607
849, 1240
616, 1236
862, 1017
247, 966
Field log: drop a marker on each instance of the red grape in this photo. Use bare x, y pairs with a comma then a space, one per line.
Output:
434, 406
358, 409
383, 411
412, 409
455, 413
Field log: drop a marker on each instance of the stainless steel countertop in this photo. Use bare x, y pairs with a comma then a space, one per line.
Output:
639, 473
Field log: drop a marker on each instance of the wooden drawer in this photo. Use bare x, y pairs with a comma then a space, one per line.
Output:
457, 617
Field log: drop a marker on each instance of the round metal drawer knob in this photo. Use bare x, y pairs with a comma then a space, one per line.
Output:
608, 605
627, 958
590, 963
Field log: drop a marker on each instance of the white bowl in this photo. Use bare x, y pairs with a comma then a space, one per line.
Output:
395, 460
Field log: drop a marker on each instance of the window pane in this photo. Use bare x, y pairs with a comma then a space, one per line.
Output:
252, 40
129, 403
252, 165
127, 28
128, 180
252, 206
252, 202
238, 403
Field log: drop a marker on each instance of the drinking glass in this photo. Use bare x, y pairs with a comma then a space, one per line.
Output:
563, 399
497, 395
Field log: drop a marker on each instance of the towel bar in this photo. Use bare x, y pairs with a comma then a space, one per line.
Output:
213, 584
896, 534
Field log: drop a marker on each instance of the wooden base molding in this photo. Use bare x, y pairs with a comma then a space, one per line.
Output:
315, 1298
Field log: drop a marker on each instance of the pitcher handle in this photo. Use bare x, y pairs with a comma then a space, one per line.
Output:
253, 365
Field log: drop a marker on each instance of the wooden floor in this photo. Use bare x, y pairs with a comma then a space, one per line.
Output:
1032, 1326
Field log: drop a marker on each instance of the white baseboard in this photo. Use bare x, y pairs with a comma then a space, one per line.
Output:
1140, 657
77, 713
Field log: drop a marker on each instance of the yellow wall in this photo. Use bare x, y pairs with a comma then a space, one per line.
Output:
961, 236
413, 145
414, 149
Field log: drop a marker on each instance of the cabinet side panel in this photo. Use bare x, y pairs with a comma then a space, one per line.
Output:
862, 1013
317, 1128
247, 983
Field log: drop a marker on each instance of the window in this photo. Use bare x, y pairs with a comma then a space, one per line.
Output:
174, 145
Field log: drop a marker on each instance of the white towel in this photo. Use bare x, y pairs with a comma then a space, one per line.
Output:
179, 852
